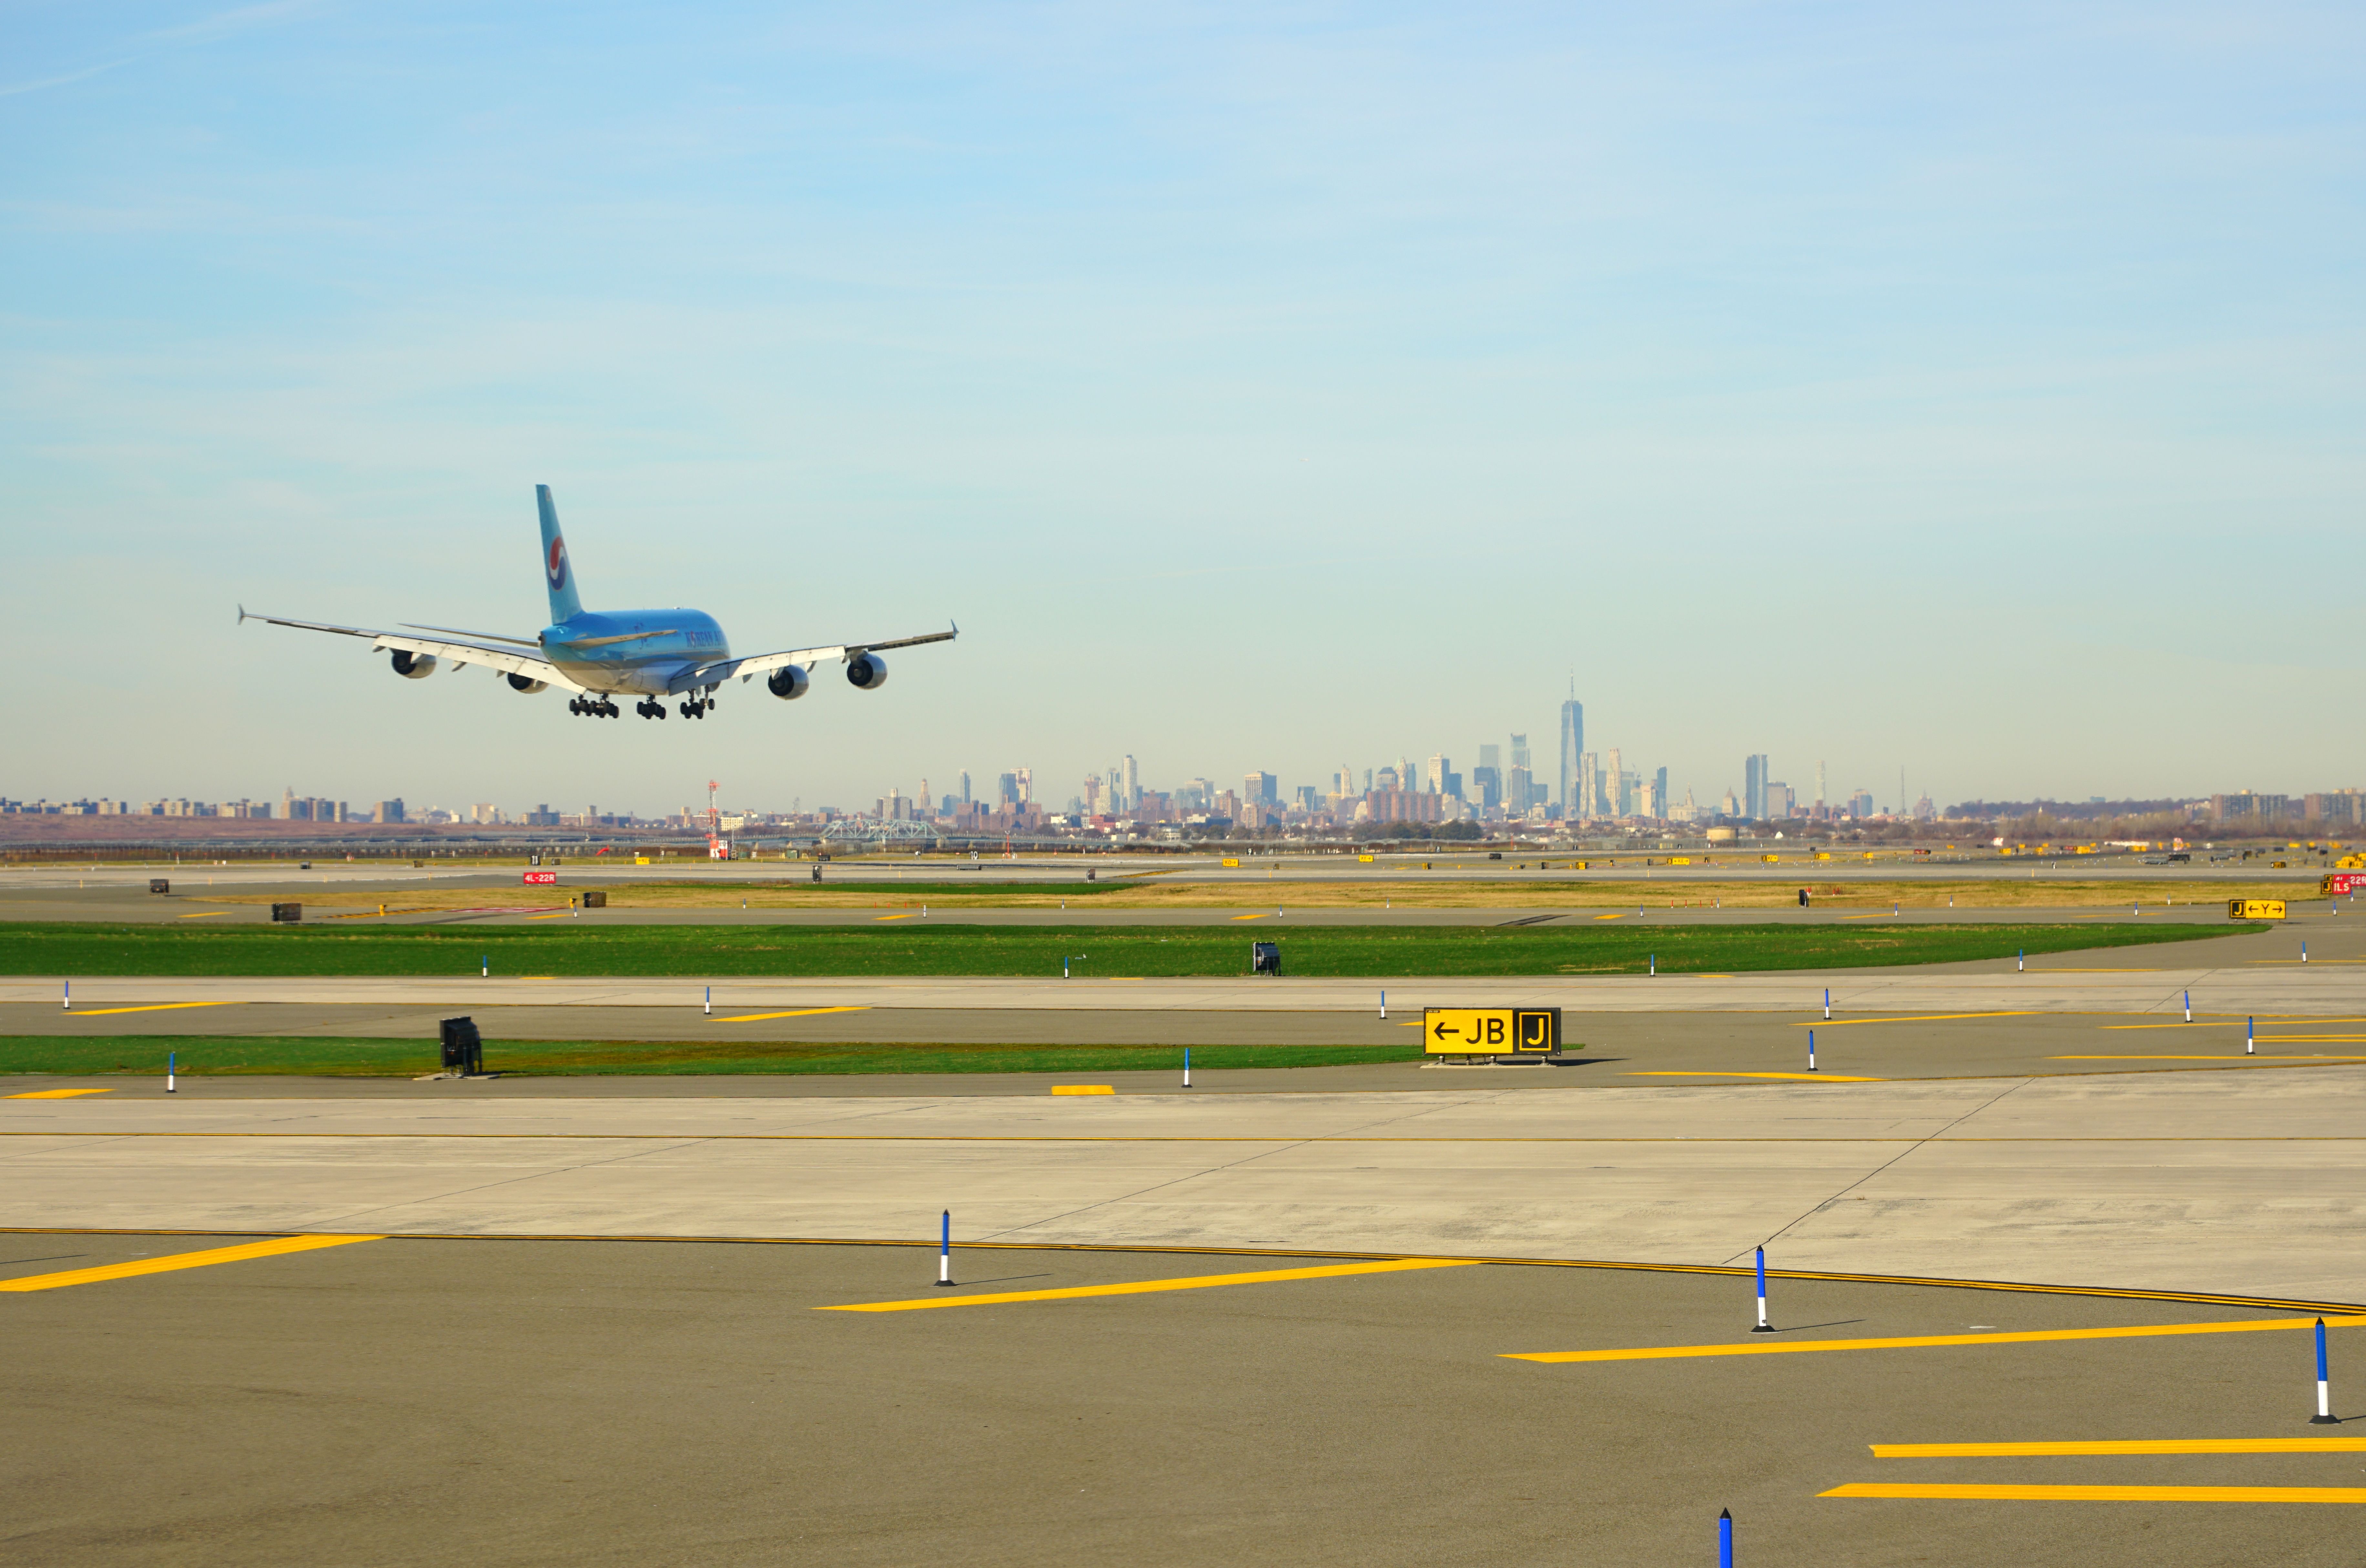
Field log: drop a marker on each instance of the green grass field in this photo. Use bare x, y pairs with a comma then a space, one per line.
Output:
200, 1054
951, 949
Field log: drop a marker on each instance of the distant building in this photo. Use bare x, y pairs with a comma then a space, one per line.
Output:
1261, 789
1572, 746
1860, 804
1774, 801
1753, 787
1487, 783
387, 811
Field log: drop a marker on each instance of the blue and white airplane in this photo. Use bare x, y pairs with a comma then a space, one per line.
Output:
600, 654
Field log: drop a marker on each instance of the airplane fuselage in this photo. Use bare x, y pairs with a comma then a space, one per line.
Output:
632, 652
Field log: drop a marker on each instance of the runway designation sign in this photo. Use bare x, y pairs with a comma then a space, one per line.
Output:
541, 878
1490, 1032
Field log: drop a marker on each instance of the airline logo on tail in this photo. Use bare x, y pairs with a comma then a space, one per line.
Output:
556, 568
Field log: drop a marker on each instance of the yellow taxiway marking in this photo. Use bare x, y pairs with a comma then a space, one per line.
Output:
2105, 1493
1811, 1078
55, 1094
800, 1012
1259, 916
1144, 1287
913, 916
2220, 1056
203, 915
1621, 916
154, 1007
2029, 1336
2228, 1021
2123, 1446
553, 914
182, 1260
1917, 1018
1084, 1088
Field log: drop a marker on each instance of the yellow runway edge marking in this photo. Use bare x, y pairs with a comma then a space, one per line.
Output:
1809, 1077
273, 1248
2107, 1493
2123, 1446
154, 1007
1144, 1287
1084, 1088
2029, 1337
203, 915
800, 1012
56, 1093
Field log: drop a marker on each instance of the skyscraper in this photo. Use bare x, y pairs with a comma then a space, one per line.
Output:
1618, 805
1258, 789
1436, 777
1754, 786
1491, 756
1819, 789
1587, 801
1659, 803
964, 786
1129, 782
1573, 745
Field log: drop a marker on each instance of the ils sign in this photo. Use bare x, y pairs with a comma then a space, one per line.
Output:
1490, 1032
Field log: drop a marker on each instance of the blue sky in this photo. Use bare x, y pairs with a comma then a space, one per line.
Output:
1975, 391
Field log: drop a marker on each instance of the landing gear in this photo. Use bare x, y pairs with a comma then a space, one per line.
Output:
593, 708
648, 709
696, 707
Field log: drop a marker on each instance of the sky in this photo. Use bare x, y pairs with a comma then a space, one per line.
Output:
1975, 391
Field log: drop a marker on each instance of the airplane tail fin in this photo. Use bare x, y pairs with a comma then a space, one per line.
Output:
557, 571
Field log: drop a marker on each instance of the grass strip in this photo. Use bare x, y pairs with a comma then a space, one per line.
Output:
572, 949
339, 1057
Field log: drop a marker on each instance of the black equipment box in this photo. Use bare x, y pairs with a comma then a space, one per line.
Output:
160, 885
288, 913
1264, 958
463, 1051
595, 901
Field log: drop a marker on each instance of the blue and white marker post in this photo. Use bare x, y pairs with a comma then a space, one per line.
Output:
172, 1060
2324, 1416
2189, 1007
485, 966
945, 1252
1724, 1538
1655, 963
2303, 950
69, 996
2021, 961
1384, 1007
1811, 1067
2250, 1036
1186, 1066
1828, 1004
1764, 1326
710, 1001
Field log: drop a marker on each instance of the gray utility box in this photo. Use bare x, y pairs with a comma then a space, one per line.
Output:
464, 1050
287, 914
595, 901
160, 885
1264, 958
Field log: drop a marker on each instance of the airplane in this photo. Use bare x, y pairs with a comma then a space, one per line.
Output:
600, 654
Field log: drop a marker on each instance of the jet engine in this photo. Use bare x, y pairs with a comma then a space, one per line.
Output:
868, 672
413, 666
788, 682
527, 684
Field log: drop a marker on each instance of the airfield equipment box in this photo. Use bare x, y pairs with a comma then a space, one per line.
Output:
1491, 1032
1264, 958
2255, 908
288, 913
464, 1050
595, 901
160, 885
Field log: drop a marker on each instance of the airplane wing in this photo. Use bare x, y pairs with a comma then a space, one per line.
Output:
506, 660
765, 663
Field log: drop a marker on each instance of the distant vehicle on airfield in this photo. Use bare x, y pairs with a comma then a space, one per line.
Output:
600, 655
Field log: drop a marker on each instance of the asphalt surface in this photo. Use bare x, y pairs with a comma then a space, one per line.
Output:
541, 1403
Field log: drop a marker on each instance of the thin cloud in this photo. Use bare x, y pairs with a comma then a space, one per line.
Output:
221, 24
13, 89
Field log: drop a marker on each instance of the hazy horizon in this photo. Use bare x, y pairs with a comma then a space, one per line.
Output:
1258, 389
